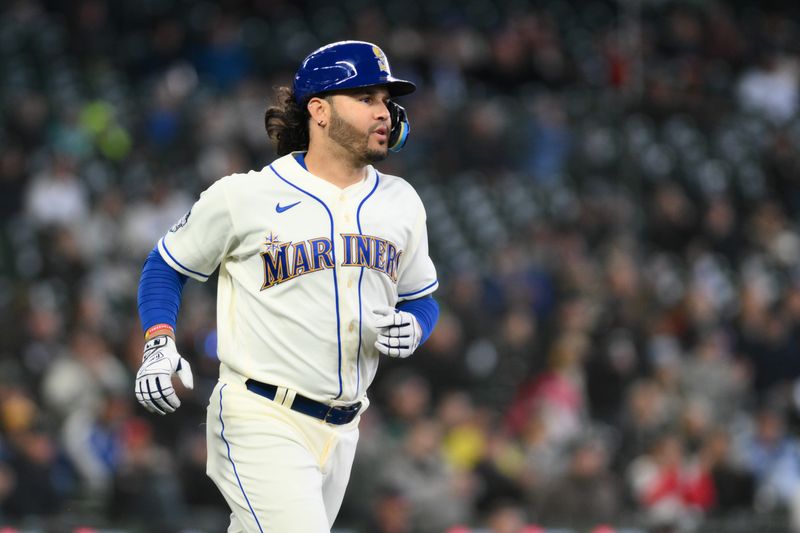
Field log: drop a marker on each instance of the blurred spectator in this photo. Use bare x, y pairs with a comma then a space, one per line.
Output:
57, 196
587, 494
33, 467
78, 378
721, 228
673, 220
508, 518
439, 496
442, 360
782, 164
101, 233
771, 87
734, 487
466, 295
93, 442
766, 338
391, 512
665, 488
465, 432
407, 401
481, 137
609, 373
646, 417
772, 455
198, 489
544, 459
43, 327
12, 181
500, 474
557, 394
8, 486
712, 373
666, 359
516, 344
223, 59
146, 485
548, 141
147, 220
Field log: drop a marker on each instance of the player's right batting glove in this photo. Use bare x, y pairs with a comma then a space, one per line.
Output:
154, 388
399, 333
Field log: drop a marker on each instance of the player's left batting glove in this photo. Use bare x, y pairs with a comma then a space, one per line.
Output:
154, 388
399, 332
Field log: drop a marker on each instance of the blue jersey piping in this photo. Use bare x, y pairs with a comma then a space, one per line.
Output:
222, 434
360, 278
333, 271
423, 289
164, 244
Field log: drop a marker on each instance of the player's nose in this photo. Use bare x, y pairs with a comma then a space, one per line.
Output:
382, 112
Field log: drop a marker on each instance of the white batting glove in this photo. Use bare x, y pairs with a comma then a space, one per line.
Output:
399, 332
154, 388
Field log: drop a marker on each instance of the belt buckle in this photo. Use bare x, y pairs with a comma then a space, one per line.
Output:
328, 413
347, 410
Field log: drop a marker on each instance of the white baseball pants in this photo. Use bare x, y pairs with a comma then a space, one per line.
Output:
280, 471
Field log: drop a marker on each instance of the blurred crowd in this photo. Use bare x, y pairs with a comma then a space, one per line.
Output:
613, 192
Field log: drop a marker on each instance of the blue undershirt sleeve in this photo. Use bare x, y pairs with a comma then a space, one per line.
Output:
426, 311
160, 289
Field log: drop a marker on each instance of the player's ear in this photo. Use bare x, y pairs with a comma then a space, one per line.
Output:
319, 109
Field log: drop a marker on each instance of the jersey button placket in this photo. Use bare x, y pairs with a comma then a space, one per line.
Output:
342, 219
351, 228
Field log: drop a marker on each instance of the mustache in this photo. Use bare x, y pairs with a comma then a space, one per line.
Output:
378, 126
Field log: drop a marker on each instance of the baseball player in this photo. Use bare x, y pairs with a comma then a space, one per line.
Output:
323, 266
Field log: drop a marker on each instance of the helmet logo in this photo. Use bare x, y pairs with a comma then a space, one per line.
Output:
383, 65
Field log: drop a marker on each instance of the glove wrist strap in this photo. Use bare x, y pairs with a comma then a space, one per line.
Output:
159, 329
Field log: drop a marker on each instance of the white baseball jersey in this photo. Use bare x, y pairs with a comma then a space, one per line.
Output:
302, 263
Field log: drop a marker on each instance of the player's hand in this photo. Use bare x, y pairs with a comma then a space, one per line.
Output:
399, 332
154, 388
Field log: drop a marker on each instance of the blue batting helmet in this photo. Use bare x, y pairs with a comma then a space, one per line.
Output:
346, 65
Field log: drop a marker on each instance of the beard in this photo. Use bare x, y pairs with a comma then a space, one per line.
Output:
355, 142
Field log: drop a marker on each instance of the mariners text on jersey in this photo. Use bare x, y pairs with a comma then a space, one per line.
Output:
287, 260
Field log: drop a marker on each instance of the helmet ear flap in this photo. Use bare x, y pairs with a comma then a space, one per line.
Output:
400, 126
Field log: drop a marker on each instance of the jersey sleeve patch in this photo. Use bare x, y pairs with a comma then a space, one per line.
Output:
181, 223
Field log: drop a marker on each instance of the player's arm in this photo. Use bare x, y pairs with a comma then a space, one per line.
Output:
403, 329
425, 310
159, 298
192, 248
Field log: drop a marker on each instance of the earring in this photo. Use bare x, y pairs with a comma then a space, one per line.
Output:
321, 124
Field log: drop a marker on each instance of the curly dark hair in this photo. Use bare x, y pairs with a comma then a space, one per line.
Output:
287, 123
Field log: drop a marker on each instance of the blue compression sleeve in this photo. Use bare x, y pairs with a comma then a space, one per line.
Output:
160, 289
426, 311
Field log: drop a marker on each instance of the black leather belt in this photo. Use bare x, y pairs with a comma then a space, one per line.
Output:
307, 406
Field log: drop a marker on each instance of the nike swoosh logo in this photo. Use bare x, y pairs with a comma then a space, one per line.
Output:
280, 209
